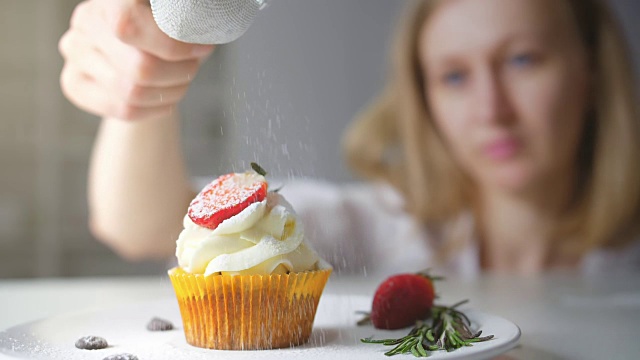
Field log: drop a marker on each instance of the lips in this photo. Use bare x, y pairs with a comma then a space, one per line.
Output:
502, 149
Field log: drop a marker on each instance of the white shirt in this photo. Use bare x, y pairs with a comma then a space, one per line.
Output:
363, 228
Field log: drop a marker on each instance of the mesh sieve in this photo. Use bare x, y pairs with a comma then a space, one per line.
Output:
205, 21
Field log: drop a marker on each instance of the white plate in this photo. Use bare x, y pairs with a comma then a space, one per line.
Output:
334, 335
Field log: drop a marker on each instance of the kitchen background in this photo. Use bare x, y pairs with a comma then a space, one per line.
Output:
282, 95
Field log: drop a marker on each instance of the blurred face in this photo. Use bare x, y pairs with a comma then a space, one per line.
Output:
507, 86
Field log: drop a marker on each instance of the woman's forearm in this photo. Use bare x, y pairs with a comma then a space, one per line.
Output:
120, 66
138, 186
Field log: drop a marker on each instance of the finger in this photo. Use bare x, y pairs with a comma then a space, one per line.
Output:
153, 96
145, 69
132, 92
133, 24
148, 70
140, 67
88, 95
78, 51
82, 91
82, 11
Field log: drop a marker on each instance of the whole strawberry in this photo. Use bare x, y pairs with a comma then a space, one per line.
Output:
401, 300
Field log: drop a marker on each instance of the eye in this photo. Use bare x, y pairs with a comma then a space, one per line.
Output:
454, 78
522, 60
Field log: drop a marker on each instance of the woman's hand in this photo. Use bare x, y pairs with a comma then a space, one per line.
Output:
119, 64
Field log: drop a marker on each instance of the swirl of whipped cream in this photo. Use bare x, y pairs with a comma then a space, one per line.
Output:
264, 238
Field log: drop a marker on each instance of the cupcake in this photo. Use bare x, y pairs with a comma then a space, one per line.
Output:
246, 279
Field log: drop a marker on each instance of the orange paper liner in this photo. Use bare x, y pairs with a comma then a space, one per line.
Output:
248, 312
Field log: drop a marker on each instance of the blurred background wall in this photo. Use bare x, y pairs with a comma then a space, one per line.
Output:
281, 95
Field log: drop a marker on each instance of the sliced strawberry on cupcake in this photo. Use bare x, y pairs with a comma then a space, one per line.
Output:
226, 197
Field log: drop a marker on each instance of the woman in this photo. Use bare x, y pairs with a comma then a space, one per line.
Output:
504, 141
534, 105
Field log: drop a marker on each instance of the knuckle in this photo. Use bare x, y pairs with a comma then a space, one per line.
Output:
174, 51
79, 12
144, 67
192, 68
148, 67
64, 44
134, 93
181, 93
65, 80
70, 81
71, 87
125, 26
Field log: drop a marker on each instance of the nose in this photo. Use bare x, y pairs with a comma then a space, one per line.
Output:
492, 104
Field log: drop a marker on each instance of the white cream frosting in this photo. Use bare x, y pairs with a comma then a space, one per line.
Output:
264, 238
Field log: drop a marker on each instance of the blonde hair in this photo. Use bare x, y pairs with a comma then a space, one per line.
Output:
395, 140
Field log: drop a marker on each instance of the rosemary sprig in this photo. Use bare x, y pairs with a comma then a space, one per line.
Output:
449, 330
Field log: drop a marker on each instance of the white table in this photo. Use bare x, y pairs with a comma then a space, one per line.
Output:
562, 316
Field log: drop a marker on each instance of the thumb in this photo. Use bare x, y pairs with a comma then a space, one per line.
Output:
134, 25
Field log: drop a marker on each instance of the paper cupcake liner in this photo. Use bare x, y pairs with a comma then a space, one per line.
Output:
248, 312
